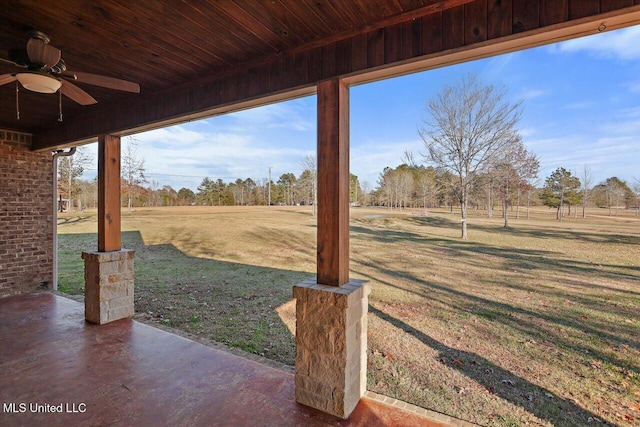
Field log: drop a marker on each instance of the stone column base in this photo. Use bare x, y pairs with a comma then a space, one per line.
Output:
331, 345
108, 285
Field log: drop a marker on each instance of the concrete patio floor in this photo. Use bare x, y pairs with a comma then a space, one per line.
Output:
131, 374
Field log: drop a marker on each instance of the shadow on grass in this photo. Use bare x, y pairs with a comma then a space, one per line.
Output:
514, 317
535, 399
73, 220
539, 233
510, 258
228, 302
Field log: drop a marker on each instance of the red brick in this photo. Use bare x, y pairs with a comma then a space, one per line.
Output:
26, 231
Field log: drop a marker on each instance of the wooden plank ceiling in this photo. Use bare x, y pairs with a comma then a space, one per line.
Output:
192, 56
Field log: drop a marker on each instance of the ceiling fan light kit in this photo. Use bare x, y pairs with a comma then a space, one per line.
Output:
38, 82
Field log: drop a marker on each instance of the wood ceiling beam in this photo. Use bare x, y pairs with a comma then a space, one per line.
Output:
454, 35
432, 6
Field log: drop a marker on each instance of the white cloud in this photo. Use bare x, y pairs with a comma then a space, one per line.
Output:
581, 105
369, 158
528, 94
286, 115
634, 86
183, 155
620, 44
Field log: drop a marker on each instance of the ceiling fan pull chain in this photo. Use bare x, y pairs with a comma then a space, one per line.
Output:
17, 102
60, 104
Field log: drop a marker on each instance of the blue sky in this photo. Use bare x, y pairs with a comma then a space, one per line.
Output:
581, 107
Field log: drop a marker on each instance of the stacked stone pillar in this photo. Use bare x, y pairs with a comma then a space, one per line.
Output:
109, 278
331, 345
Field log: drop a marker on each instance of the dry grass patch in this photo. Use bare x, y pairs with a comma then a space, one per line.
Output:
536, 324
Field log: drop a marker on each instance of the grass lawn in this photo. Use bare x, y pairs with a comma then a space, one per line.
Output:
537, 324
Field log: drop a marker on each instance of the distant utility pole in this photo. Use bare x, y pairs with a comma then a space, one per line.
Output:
269, 184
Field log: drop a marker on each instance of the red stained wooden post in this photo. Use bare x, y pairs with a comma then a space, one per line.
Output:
333, 183
109, 230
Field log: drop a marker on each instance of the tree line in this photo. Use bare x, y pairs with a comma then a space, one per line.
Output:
419, 186
408, 185
476, 158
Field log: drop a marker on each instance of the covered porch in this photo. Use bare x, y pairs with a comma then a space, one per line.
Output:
193, 62
128, 373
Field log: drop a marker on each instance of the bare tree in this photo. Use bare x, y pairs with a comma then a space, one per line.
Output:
636, 192
70, 168
154, 187
469, 126
587, 179
132, 170
311, 164
425, 186
366, 188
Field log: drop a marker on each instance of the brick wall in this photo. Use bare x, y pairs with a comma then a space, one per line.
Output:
26, 216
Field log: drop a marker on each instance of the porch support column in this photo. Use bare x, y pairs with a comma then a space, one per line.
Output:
108, 273
331, 311
109, 228
333, 183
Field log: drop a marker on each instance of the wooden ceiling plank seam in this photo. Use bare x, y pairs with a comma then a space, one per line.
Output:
315, 58
526, 15
582, 8
146, 37
411, 32
363, 12
407, 5
106, 30
611, 5
356, 13
343, 57
316, 17
375, 50
251, 24
500, 15
328, 64
431, 34
393, 43
314, 27
286, 21
275, 76
453, 28
432, 7
387, 8
265, 78
554, 11
234, 48
304, 26
327, 13
118, 20
252, 75
287, 69
301, 68
359, 52
152, 35
476, 18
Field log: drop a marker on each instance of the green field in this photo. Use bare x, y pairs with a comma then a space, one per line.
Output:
537, 324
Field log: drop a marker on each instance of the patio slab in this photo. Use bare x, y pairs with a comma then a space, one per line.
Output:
127, 373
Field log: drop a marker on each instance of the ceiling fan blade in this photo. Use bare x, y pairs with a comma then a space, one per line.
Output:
7, 78
42, 53
104, 81
76, 94
7, 61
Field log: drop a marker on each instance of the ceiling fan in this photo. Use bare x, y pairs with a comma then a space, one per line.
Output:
46, 72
